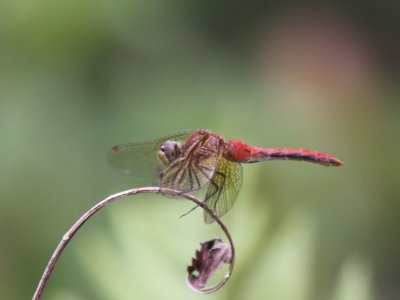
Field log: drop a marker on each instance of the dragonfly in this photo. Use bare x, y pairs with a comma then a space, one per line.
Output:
189, 161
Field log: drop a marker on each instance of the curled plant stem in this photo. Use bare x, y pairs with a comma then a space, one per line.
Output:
71, 232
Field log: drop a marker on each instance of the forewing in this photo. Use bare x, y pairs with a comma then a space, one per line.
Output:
224, 188
194, 169
140, 159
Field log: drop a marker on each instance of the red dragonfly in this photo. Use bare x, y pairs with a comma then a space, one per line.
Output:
188, 161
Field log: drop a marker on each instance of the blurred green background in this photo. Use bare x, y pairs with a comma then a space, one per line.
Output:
77, 77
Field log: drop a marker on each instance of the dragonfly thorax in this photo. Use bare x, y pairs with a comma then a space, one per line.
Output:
169, 151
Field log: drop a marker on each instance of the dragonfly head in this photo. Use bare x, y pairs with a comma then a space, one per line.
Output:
169, 151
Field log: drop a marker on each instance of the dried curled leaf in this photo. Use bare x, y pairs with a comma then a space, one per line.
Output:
211, 256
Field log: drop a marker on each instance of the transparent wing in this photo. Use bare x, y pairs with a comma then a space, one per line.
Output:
224, 188
195, 168
140, 159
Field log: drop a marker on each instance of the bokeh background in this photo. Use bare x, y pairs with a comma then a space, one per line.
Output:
77, 77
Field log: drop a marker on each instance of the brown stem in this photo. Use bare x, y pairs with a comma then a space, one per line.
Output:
71, 232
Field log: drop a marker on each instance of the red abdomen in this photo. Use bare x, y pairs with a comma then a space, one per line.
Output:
243, 153
302, 154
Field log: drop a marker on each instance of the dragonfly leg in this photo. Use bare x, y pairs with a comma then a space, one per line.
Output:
216, 189
188, 212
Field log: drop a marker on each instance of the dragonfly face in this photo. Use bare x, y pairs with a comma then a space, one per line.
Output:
169, 151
